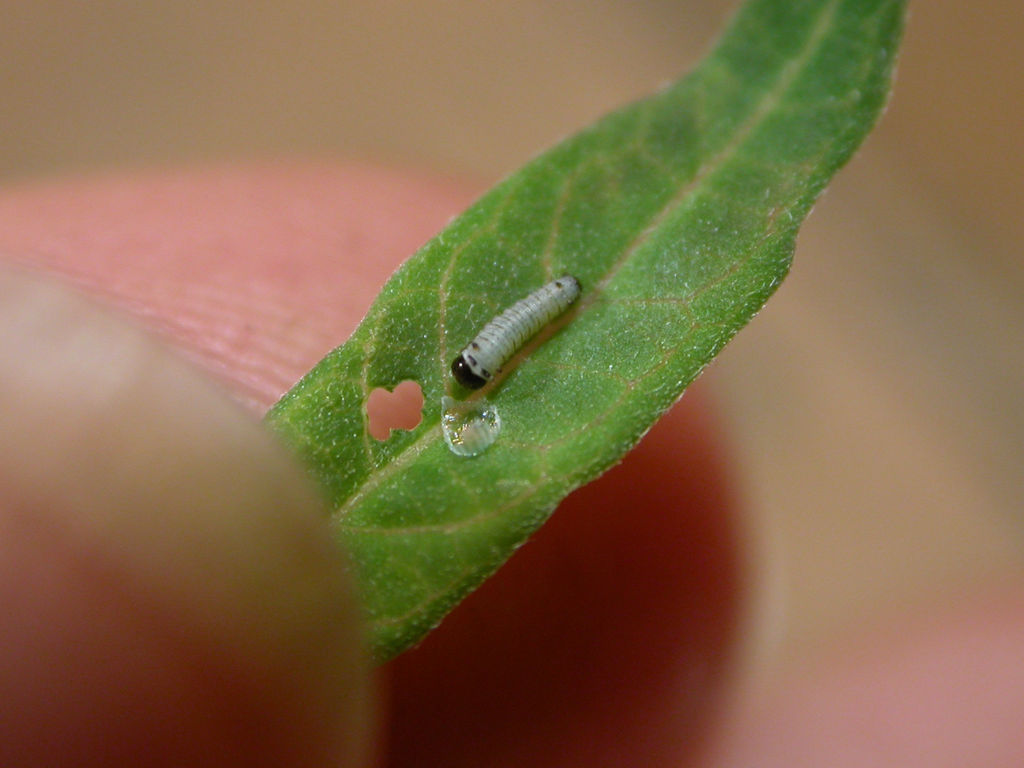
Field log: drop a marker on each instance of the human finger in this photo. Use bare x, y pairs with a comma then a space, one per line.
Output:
170, 593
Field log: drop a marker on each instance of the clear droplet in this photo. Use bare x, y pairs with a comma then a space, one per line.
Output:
469, 426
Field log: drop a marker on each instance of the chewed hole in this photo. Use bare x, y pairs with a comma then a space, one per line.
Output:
400, 409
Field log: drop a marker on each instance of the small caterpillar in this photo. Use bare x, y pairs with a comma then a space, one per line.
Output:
498, 341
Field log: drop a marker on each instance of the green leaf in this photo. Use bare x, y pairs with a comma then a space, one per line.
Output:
678, 214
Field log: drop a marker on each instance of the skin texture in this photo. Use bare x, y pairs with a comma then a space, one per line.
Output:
171, 595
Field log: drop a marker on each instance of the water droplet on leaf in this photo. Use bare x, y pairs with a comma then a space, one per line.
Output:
469, 426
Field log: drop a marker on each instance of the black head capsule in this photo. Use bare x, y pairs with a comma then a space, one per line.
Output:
465, 376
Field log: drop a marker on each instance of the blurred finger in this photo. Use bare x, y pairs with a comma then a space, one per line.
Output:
170, 593
933, 691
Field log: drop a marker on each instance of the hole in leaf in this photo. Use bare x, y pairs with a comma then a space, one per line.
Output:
400, 409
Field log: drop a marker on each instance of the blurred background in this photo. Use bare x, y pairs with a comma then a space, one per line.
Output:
875, 404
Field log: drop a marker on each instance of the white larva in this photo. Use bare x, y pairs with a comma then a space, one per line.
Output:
504, 335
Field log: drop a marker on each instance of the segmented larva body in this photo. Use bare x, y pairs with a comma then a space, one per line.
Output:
505, 334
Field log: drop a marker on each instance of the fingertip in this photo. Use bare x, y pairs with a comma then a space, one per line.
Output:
171, 593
